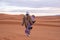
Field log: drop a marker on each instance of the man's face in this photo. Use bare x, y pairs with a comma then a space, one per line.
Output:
27, 14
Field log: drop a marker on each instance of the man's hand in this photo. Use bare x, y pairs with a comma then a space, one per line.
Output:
22, 24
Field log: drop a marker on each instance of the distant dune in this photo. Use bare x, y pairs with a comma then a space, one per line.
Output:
42, 20
45, 28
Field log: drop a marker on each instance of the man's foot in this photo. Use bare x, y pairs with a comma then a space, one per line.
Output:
27, 35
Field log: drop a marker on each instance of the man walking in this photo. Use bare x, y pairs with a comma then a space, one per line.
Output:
27, 21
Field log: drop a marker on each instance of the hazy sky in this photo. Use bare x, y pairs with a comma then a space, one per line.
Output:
40, 6
31, 3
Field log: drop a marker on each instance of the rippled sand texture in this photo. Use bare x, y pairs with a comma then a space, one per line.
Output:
45, 28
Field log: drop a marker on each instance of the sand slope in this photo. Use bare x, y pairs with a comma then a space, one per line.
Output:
45, 28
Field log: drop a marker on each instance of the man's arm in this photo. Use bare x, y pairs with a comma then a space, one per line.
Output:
23, 21
30, 20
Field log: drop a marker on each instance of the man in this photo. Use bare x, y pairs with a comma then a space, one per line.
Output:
27, 21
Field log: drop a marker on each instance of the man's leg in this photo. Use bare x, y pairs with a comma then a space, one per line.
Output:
27, 31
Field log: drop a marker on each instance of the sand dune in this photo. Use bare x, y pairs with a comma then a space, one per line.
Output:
45, 28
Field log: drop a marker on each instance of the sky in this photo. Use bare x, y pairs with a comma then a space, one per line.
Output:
42, 7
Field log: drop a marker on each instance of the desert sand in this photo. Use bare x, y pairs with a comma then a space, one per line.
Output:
45, 28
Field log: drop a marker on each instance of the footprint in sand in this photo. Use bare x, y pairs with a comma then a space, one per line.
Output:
5, 38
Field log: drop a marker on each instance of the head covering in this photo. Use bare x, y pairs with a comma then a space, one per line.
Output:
27, 13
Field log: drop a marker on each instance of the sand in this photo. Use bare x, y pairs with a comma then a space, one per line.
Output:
45, 28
